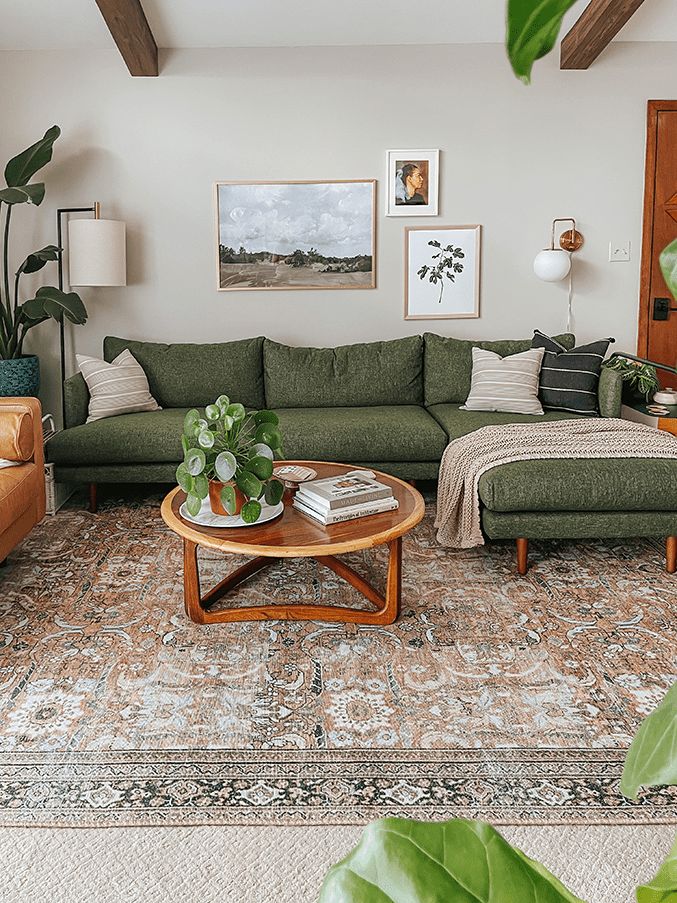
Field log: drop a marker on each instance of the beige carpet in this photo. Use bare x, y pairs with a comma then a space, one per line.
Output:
285, 865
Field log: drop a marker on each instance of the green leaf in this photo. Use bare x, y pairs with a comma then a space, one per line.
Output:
229, 499
21, 169
251, 511
26, 194
663, 888
266, 417
38, 259
195, 461
201, 488
249, 484
212, 412
274, 492
236, 411
262, 449
260, 466
269, 435
225, 466
532, 30
185, 443
668, 261
183, 478
652, 758
205, 438
190, 422
52, 302
193, 503
457, 861
223, 401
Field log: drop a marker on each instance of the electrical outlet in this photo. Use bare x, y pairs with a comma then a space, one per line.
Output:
619, 251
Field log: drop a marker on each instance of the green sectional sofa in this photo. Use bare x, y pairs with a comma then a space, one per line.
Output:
390, 405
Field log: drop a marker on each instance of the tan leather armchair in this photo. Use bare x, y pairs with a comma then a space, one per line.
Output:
22, 487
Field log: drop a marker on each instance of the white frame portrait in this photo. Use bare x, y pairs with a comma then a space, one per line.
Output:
432, 161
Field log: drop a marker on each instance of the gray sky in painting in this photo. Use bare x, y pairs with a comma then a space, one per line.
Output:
335, 219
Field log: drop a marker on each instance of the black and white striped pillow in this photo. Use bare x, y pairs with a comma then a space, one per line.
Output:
570, 379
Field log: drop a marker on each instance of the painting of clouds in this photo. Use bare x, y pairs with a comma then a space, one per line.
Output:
295, 235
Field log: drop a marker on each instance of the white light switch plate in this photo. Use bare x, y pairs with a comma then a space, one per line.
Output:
619, 251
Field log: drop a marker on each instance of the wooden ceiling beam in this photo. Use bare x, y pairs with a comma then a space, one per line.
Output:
131, 32
598, 25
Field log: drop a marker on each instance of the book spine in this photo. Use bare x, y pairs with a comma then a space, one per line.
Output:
341, 516
371, 495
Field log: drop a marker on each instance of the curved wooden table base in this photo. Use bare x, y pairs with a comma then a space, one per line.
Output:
198, 605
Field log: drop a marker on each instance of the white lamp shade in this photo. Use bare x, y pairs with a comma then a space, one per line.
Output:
97, 252
552, 265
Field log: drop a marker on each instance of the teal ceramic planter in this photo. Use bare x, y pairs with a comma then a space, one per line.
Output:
20, 376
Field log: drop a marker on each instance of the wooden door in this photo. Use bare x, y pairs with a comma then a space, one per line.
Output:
657, 335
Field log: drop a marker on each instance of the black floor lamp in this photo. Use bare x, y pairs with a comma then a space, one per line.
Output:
96, 257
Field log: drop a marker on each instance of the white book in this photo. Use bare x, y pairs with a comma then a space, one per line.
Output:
344, 490
344, 514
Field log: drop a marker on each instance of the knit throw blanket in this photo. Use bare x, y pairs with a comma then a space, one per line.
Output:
465, 459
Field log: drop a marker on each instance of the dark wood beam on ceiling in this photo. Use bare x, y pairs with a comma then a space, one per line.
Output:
129, 27
598, 25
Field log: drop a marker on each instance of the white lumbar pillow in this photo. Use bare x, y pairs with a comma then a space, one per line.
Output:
507, 384
120, 387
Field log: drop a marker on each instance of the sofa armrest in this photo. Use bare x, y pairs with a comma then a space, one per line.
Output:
610, 393
76, 398
28, 407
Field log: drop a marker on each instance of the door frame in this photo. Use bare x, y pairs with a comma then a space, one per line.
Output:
654, 107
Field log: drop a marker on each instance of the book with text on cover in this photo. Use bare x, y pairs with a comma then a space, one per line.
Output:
353, 488
344, 514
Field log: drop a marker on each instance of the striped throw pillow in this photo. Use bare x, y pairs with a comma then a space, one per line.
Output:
117, 388
570, 379
505, 383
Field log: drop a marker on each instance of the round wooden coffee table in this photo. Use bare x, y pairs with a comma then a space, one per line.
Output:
294, 535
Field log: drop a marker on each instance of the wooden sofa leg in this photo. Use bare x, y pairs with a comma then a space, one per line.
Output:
671, 554
92, 498
522, 556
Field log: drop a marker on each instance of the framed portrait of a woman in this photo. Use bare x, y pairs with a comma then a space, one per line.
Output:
413, 178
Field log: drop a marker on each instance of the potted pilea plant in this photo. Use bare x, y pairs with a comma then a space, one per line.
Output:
228, 457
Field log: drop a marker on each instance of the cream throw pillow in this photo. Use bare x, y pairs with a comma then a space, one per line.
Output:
505, 383
117, 388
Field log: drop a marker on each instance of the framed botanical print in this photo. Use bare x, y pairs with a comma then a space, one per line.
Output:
412, 179
442, 272
296, 235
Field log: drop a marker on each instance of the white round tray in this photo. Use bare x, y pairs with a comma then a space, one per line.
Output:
206, 517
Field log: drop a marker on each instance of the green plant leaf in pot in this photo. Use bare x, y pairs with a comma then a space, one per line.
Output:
205, 438
532, 30
37, 260
274, 492
249, 484
229, 499
261, 466
193, 503
183, 478
26, 194
652, 758
190, 421
185, 443
260, 448
236, 411
21, 169
223, 401
457, 861
668, 261
52, 302
662, 888
266, 417
225, 466
212, 412
251, 511
269, 435
195, 461
201, 487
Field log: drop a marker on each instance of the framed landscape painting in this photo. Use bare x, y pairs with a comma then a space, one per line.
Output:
412, 177
296, 235
442, 272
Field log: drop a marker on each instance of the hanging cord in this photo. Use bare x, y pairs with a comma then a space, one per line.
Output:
571, 298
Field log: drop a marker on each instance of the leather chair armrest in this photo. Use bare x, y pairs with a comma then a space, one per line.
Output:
15, 412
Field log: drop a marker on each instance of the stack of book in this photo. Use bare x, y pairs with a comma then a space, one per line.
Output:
333, 500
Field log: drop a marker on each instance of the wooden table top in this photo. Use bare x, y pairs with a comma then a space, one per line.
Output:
295, 535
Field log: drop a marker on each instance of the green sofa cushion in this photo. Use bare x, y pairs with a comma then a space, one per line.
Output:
377, 373
378, 433
574, 525
620, 484
448, 363
151, 437
186, 375
458, 423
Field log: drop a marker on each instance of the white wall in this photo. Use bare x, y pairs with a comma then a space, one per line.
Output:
514, 157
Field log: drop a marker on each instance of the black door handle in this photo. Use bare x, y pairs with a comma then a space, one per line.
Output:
662, 308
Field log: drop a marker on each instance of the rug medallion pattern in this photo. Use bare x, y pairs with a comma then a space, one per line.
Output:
494, 696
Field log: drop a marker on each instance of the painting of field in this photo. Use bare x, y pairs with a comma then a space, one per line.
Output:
295, 235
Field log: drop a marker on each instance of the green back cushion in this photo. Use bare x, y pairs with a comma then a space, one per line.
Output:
186, 376
448, 364
378, 373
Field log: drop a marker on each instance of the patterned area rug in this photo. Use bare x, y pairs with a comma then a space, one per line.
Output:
494, 696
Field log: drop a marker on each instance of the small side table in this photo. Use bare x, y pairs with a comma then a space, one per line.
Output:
639, 414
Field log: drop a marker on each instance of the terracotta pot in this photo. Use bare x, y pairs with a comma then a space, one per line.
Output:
215, 498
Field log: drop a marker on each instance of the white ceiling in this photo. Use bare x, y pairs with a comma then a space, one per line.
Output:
70, 24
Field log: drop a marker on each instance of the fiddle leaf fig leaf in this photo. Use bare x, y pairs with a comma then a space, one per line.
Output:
24, 194
418, 862
532, 30
668, 261
251, 511
663, 888
652, 758
21, 169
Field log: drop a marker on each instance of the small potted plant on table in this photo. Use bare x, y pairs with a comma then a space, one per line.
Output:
228, 457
